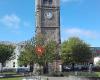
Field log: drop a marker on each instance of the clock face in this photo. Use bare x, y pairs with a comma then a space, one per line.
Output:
49, 15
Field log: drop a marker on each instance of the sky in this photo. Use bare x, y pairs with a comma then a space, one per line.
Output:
80, 18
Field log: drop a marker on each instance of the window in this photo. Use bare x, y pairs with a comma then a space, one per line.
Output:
13, 64
47, 1
50, 1
20, 65
25, 65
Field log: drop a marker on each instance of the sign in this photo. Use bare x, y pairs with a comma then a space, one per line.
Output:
39, 50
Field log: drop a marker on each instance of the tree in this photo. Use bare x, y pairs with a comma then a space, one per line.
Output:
29, 55
6, 51
26, 55
75, 50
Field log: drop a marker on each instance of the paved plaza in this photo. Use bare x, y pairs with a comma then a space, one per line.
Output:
49, 78
61, 78
71, 78
58, 78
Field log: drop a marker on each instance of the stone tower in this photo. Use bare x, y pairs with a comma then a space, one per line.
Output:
48, 19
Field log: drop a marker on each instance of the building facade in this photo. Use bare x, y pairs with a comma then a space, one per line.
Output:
13, 62
95, 55
95, 51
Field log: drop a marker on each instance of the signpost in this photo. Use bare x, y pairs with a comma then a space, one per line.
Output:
0, 67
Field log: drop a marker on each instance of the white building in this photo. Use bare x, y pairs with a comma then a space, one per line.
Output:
13, 63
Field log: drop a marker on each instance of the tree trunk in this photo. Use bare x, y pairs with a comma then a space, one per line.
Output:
31, 68
45, 68
73, 64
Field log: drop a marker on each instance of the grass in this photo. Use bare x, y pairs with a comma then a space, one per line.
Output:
7, 72
11, 78
98, 73
11, 73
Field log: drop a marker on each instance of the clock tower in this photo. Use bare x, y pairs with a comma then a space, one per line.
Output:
48, 19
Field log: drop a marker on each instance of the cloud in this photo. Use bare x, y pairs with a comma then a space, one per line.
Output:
79, 33
14, 23
11, 21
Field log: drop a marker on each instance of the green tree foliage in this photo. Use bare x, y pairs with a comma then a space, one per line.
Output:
75, 50
6, 51
50, 50
29, 55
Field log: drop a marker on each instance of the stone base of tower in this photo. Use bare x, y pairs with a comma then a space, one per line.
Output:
56, 66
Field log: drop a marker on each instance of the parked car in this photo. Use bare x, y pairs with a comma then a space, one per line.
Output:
96, 68
67, 68
22, 70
